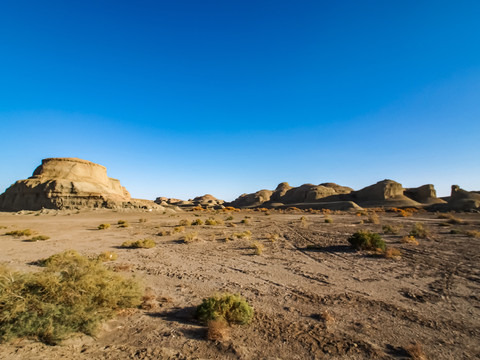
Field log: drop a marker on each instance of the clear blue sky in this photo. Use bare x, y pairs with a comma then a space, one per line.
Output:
182, 98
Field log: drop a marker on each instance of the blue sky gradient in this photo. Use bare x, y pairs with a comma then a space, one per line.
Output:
182, 98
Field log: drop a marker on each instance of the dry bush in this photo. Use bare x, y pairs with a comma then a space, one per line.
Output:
243, 235
218, 330
165, 233
184, 222
38, 238
416, 352
303, 221
327, 317
139, 244
142, 220
190, 237
210, 222
122, 267
391, 229
245, 221
373, 218
197, 222
328, 220
273, 237
229, 218
123, 224
257, 247
419, 231
232, 308
392, 253
473, 233
178, 229
103, 226
452, 219
149, 300
230, 224
107, 256
19, 233
72, 294
409, 239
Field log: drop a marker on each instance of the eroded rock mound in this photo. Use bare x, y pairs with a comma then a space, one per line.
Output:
463, 200
383, 193
424, 194
68, 183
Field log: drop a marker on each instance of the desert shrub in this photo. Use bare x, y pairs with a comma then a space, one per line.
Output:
328, 220
231, 308
178, 229
416, 352
190, 237
366, 240
142, 220
390, 229
257, 247
230, 224
409, 240
327, 317
392, 253
218, 330
452, 219
229, 218
139, 244
165, 233
444, 224
303, 221
103, 226
273, 237
197, 222
418, 231
373, 218
184, 222
245, 221
456, 231
72, 294
243, 235
19, 233
121, 222
210, 222
38, 238
107, 256
473, 233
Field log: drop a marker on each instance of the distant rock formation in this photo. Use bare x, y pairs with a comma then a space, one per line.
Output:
68, 183
206, 200
462, 200
424, 194
383, 193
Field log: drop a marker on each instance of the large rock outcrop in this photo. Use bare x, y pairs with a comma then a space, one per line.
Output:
68, 183
383, 193
463, 200
424, 194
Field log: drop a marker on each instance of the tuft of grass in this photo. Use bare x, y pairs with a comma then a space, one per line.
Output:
273, 237
165, 233
245, 221
72, 294
107, 256
456, 231
197, 222
452, 219
124, 224
419, 231
230, 218
243, 235
366, 240
390, 229
38, 238
257, 247
328, 220
231, 308
416, 352
184, 222
327, 317
103, 226
142, 220
473, 233
190, 237
392, 253
139, 244
218, 330
178, 229
210, 222
373, 218
409, 239
121, 222
20, 233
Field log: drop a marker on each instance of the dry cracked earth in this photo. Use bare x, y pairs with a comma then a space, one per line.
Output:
314, 297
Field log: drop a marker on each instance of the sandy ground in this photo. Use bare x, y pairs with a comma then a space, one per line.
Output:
378, 307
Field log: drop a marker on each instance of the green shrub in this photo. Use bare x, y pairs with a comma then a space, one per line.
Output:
72, 294
19, 233
144, 244
232, 308
366, 240
419, 231
103, 226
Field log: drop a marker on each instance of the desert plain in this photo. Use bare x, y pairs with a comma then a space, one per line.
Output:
314, 297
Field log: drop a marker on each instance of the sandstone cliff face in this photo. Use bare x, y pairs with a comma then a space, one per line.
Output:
66, 183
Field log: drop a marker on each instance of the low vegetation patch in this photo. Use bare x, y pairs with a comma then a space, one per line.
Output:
184, 222
218, 330
107, 256
257, 247
142, 220
328, 220
72, 294
243, 235
197, 222
409, 239
473, 233
273, 237
231, 308
179, 229
38, 238
103, 226
419, 231
392, 253
20, 233
366, 240
190, 237
139, 244
373, 218
390, 229
245, 221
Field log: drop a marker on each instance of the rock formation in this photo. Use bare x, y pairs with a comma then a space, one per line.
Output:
462, 200
424, 194
68, 183
383, 193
